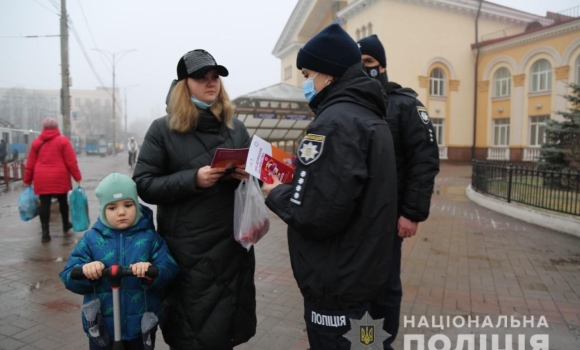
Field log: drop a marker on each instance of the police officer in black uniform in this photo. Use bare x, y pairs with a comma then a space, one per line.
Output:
417, 156
341, 207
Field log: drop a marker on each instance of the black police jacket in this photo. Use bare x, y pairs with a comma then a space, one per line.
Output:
416, 150
341, 206
212, 302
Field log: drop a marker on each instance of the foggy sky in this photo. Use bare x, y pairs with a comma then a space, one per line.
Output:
240, 34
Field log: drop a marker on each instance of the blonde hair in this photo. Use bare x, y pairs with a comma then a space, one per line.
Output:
183, 114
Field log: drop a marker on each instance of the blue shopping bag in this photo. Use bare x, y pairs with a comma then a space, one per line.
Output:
28, 204
79, 209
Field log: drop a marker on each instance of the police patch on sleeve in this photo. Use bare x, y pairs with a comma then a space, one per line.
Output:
423, 114
310, 148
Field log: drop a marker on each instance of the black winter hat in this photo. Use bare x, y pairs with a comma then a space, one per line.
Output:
371, 45
196, 63
332, 52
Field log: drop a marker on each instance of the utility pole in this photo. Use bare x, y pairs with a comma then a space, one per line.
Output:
114, 62
65, 92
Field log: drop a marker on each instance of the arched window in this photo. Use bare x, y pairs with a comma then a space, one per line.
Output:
358, 34
364, 31
437, 87
502, 82
578, 70
541, 76
370, 28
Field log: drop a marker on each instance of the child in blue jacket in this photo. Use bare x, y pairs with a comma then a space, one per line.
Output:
124, 234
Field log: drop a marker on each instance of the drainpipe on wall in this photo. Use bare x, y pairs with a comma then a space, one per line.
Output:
475, 80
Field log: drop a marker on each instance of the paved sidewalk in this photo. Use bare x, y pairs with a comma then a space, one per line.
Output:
465, 260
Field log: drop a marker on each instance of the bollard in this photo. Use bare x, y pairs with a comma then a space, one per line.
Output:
22, 169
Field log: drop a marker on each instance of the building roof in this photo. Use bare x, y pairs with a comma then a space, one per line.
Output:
278, 112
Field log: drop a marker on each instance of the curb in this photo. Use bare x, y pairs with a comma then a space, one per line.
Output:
554, 222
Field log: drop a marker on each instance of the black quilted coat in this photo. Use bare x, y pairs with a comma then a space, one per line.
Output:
212, 303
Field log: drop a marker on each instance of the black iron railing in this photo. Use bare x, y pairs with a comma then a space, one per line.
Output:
553, 190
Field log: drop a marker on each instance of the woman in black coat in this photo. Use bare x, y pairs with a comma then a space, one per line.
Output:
212, 304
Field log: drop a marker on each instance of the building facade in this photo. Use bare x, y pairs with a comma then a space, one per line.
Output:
91, 110
523, 77
429, 49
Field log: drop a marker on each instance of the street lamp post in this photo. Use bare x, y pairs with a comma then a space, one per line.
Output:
114, 58
126, 106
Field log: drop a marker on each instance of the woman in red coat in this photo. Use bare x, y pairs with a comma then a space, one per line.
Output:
51, 163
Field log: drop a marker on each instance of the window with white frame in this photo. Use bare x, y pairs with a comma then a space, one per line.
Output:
77, 102
438, 125
501, 132
538, 130
370, 29
98, 103
502, 83
578, 70
437, 79
358, 34
541, 78
107, 103
288, 72
364, 31
87, 102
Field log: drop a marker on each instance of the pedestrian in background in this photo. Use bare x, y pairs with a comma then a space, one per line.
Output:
123, 235
341, 206
2, 152
212, 304
51, 163
417, 157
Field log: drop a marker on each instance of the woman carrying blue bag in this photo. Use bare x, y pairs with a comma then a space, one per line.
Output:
51, 163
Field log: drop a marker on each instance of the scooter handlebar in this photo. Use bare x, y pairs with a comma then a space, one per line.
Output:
115, 272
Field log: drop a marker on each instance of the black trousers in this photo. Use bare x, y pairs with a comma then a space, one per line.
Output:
326, 327
44, 210
388, 304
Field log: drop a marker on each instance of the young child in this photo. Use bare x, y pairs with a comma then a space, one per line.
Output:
124, 234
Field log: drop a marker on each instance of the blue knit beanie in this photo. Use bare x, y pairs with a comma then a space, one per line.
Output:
372, 46
117, 187
332, 52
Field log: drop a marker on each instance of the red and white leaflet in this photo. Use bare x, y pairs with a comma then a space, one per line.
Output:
265, 160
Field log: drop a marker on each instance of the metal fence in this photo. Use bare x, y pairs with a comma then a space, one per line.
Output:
552, 190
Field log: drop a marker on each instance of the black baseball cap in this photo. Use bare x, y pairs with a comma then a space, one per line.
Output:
196, 63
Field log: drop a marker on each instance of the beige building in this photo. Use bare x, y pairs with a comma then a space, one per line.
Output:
429, 49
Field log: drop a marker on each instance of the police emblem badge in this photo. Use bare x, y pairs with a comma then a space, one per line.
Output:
366, 333
423, 114
310, 148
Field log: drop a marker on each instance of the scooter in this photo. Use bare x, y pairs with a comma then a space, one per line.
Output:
115, 274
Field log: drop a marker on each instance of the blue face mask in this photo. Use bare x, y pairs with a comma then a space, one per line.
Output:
308, 88
202, 104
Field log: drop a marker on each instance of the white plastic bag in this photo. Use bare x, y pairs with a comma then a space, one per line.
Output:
251, 220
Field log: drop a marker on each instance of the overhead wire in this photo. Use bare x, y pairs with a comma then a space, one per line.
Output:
49, 9
92, 37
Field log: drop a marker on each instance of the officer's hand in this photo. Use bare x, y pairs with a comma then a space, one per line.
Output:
24, 184
93, 270
266, 188
208, 176
407, 228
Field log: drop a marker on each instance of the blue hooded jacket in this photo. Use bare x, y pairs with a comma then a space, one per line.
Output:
139, 243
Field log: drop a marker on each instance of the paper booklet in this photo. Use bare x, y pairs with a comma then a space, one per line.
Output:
265, 159
229, 158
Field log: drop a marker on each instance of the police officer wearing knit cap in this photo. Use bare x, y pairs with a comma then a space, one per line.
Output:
212, 304
417, 165
341, 206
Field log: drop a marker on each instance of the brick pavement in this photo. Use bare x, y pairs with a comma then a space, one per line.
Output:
466, 261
